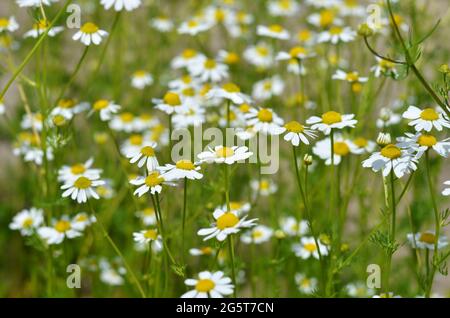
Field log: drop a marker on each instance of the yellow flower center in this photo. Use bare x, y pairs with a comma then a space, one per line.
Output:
264, 185
78, 168
59, 120
153, 179
351, 3
391, 151
189, 53
296, 51
151, 234
310, 247
225, 152
4, 22
149, 211
81, 218
204, 285
89, 28
386, 64
304, 35
82, 183
227, 220
428, 238
28, 222
267, 86
232, 58
336, 30
185, 164
66, 103
206, 250
276, 28
262, 50
192, 24
210, 64
357, 87
256, 234
235, 205
360, 142
140, 73
41, 25
135, 140
326, 18
101, 104
429, 114
285, 4
427, 140
189, 91
294, 126
219, 15
172, 99
62, 226
245, 108
148, 151
231, 88
341, 148
126, 117
265, 115
351, 77
331, 117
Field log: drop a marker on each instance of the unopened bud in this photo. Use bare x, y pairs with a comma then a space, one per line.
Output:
307, 160
444, 69
365, 30
279, 234
384, 139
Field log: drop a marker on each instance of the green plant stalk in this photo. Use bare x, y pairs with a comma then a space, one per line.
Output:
183, 226
233, 271
392, 230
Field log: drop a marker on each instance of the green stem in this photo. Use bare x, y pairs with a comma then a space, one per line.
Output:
184, 217
233, 273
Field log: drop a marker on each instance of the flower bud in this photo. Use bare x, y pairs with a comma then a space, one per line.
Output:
365, 30
384, 139
307, 160
444, 69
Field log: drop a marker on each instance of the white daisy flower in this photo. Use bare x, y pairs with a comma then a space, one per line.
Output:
192, 115
106, 109
260, 55
426, 119
308, 248
187, 57
27, 221
227, 223
145, 155
387, 118
147, 216
34, 154
227, 155
123, 122
325, 19
208, 284
283, 8
364, 145
239, 207
227, 57
296, 53
68, 108
182, 169
384, 67
89, 33
322, 3
391, 157
61, 229
209, 70
230, 92
352, 8
359, 290
426, 240
203, 251
77, 170
34, 3
120, 5
257, 235
81, 188
331, 120
194, 27
32, 121
292, 227
419, 143
82, 220
337, 34
274, 31
141, 79
296, 133
8, 24
111, 277
265, 187
152, 182
341, 148
351, 77
162, 24
246, 134
306, 37
150, 236
305, 285
265, 121
40, 27
267, 88
171, 103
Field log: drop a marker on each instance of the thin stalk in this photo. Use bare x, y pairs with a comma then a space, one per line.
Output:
233, 272
183, 227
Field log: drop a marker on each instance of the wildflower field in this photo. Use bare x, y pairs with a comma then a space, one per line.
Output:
224, 148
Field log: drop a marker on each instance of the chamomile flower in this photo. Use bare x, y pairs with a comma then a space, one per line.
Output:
446, 191
419, 143
203, 251
336, 35
352, 8
33, 121
147, 237
187, 57
8, 24
228, 57
341, 148
267, 88
106, 109
147, 216
59, 231
292, 227
391, 157
274, 31
257, 235
364, 145
81, 188
193, 27
246, 134
426, 240
260, 55
322, 3
171, 103
387, 118
239, 207
89, 33
82, 220
209, 70
265, 121
141, 79
331, 120
308, 248
77, 170
133, 144
68, 108
34, 3
183, 168
283, 8
227, 155
40, 27
145, 155
325, 19
351, 77
120, 5
112, 274
123, 122
296, 133
192, 115
426, 119
152, 182
208, 284
162, 24
227, 223
27, 221
305, 285
265, 187
384, 67
359, 290
229, 91
296, 53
